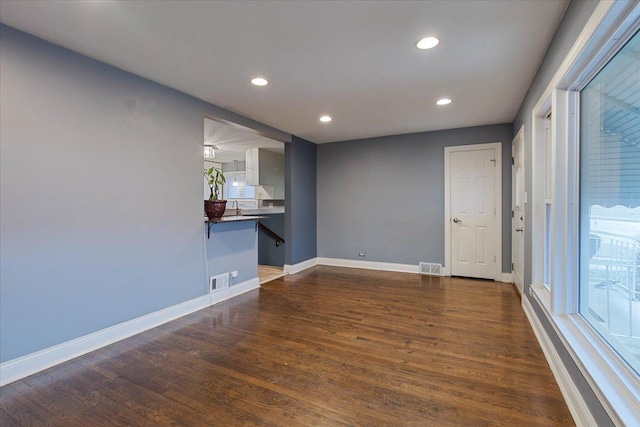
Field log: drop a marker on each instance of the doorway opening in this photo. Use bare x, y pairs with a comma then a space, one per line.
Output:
517, 211
253, 166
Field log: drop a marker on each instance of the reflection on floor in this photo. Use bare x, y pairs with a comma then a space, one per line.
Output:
327, 346
267, 273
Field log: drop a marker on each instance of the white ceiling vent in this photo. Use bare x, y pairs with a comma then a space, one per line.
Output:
430, 268
216, 283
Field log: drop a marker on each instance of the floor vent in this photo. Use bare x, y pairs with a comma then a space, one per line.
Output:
216, 283
432, 269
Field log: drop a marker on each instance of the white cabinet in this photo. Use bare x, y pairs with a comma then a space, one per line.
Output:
252, 166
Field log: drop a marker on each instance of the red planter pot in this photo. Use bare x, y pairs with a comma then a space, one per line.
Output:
215, 208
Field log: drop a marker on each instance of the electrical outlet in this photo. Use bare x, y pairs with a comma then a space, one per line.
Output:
234, 274
361, 254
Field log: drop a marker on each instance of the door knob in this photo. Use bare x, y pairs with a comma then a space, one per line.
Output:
519, 229
456, 220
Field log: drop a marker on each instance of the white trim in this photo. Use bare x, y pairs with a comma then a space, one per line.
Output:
615, 385
497, 146
519, 136
560, 263
297, 268
369, 265
542, 294
517, 290
24, 366
592, 27
607, 375
538, 177
235, 290
507, 278
577, 406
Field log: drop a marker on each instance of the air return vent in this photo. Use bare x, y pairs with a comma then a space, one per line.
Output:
216, 283
432, 269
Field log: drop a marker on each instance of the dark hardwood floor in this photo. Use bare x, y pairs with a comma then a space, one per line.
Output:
326, 347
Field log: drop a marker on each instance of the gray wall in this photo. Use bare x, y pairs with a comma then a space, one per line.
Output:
233, 246
385, 196
576, 16
100, 194
300, 201
268, 252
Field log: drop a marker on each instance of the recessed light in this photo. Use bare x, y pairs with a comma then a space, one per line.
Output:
443, 101
427, 43
325, 119
259, 81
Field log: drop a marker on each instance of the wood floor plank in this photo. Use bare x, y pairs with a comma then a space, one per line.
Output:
328, 346
23, 411
6, 420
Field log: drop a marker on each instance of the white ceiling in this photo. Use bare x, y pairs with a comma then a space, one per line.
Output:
353, 60
233, 142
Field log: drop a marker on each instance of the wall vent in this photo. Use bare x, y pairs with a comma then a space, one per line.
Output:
430, 268
216, 283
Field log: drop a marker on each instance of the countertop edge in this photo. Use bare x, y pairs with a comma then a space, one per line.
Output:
234, 219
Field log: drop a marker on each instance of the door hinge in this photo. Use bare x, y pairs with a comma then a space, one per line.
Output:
511, 266
512, 214
513, 160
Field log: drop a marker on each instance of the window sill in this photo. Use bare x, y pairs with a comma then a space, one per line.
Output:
614, 383
543, 296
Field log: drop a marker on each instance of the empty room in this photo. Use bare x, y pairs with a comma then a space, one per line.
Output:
320, 213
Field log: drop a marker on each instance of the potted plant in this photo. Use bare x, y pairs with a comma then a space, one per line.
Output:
214, 208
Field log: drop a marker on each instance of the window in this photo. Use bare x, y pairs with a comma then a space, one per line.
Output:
548, 191
236, 186
609, 278
586, 266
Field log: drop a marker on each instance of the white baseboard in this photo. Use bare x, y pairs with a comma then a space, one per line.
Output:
297, 268
234, 291
506, 278
24, 366
369, 265
577, 406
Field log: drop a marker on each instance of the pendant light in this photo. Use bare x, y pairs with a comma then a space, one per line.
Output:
235, 182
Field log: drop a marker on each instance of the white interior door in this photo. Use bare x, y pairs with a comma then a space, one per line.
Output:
473, 213
517, 211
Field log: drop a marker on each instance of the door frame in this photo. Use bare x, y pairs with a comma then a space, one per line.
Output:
497, 185
519, 136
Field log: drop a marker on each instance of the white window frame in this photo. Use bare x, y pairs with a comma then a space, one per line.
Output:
614, 383
545, 147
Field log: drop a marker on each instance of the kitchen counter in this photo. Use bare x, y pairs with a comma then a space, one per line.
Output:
234, 218
263, 211
230, 219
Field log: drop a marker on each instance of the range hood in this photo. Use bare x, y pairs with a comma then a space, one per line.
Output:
265, 171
